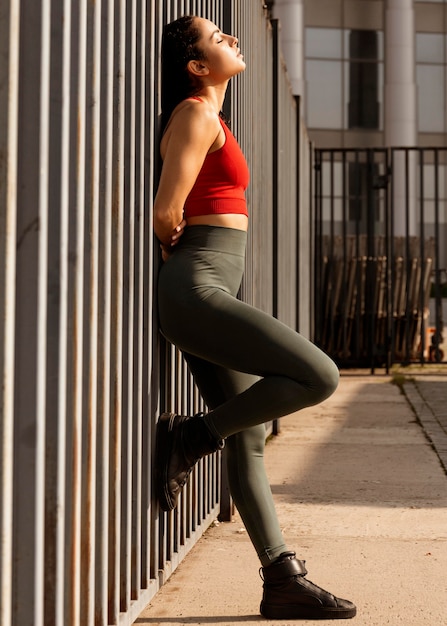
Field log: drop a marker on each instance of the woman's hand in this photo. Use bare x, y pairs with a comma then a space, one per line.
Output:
166, 250
178, 232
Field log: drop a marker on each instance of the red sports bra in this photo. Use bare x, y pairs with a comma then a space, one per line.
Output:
222, 181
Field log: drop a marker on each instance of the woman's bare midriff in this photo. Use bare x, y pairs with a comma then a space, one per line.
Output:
226, 220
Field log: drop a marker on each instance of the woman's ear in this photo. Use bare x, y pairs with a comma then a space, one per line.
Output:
197, 68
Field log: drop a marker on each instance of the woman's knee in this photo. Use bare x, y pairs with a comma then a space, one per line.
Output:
332, 378
327, 378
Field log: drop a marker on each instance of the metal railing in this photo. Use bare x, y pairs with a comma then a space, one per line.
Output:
381, 233
83, 371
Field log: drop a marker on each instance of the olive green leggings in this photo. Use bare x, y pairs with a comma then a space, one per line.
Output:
249, 367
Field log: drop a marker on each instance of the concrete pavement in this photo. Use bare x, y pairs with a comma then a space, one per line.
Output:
361, 493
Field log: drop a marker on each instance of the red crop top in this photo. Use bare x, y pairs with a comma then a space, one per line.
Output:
222, 181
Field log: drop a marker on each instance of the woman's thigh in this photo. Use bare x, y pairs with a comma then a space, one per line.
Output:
217, 384
223, 330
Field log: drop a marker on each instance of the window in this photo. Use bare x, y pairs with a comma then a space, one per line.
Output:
430, 79
363, 106
344, 74
324, 93
324, 75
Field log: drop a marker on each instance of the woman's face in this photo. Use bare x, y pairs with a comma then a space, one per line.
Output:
223, 58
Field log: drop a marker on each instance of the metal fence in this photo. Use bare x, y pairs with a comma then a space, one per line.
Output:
381, 237
83, 370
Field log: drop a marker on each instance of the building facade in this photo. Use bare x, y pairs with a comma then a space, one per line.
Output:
375, 75
375, 72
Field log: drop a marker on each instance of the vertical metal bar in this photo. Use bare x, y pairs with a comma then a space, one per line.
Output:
63, 324
331, 268
394, 324
75, 328
332, 207
91, 309
310, 151
9, 100
275, 164
116, 310
371, 260
317, 176
128, 304
56, 373
104, 314
437, 269
389, 267
359, 305
299, 180
407, 259
422, 259
344, 303
31, 309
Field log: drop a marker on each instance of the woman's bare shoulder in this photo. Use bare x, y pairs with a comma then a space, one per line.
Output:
191, 120
192, 111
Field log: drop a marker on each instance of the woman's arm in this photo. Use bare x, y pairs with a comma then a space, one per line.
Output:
190, 135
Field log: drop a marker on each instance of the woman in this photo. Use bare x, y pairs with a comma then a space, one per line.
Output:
250, 368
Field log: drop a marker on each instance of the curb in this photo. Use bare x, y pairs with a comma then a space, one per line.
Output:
427, 417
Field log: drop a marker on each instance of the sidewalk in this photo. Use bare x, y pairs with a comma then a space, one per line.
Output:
362, 496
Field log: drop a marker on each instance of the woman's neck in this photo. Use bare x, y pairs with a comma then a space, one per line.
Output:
214, 96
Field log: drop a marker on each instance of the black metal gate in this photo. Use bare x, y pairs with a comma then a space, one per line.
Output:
381, 258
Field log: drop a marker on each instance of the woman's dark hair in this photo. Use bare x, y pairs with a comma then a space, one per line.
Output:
179, 45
